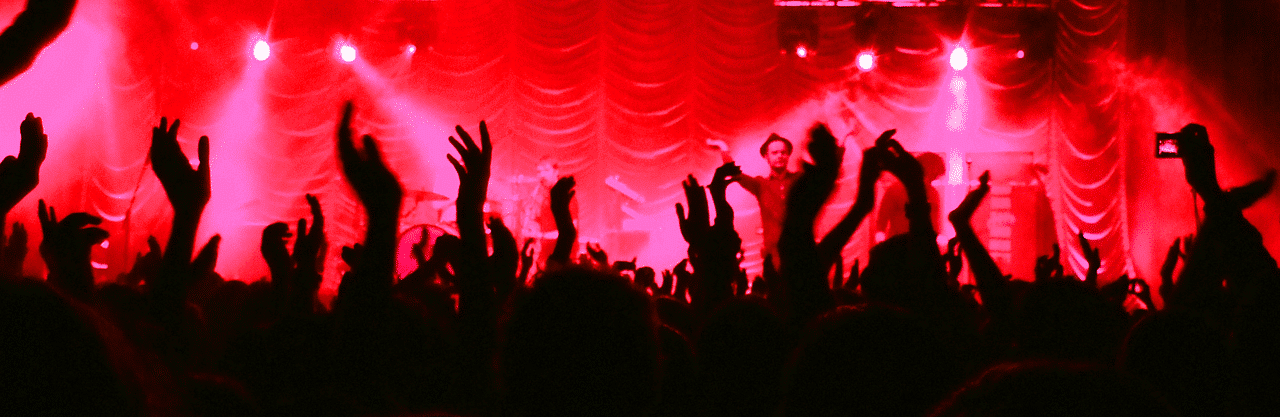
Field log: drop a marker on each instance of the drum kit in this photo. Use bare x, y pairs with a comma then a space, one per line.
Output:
436, 214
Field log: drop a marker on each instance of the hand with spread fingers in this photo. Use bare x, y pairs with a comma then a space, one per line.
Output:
367, 172
65, 249
188, 189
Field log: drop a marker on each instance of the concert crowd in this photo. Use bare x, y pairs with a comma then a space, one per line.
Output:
473, 332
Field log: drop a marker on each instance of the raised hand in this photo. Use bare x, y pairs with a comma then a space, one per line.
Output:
694, 227
20, 175
954, 260
868, 174
1092, 256
1049, 267
1140, 289
187, 188
352, 255
380, 192
505, 260
561, 195
598, 255
904, 166
724, 175
526, 260
668, 281
145, 266
207, 259
275, 251
376, 186
473, 170
684, 280
964, 212
14, 252
38, 24
1197, 158
65, 249
309, 248
1244, 196
473, 187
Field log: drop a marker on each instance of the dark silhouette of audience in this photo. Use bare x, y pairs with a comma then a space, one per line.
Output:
470, 333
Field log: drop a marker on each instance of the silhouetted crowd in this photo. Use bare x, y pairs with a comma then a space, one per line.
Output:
471, 333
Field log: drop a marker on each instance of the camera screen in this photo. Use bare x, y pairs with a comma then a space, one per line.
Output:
1166, 145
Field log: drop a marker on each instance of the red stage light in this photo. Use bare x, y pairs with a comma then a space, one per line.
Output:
347, 53
195, 46
959, 58
802, 51
411, 49
866, 61
1020, 54
261, 50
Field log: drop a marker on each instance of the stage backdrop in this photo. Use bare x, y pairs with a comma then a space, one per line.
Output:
614, 91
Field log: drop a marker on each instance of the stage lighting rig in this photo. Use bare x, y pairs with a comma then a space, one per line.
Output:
866, 61
798, 31
261, 50
959, 58
347, 53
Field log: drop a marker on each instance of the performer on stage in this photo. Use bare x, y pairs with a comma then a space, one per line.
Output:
544, 220
771, 190
891, 220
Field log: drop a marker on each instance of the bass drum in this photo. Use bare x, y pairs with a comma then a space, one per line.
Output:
405, 262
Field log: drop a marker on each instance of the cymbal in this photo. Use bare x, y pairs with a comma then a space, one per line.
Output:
425, 195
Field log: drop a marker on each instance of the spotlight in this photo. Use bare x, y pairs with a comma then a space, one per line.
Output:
959, 58
866, 61
411, 49
261, 50
802, 51
1020, 54
195, 46
347, 52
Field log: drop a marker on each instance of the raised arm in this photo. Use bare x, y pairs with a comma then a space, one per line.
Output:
991, 283
1227, 246
33, 29
65, 249
868, 173
805, 292
20, 175
724, 175
379, 191
561, 194
188, 190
